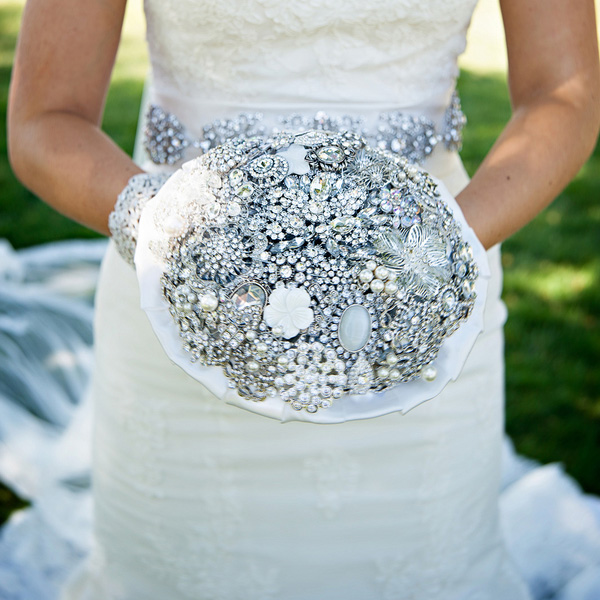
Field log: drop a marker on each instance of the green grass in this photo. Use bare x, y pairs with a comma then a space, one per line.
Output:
552, 271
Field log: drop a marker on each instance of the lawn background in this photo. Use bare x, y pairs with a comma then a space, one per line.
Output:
552, 266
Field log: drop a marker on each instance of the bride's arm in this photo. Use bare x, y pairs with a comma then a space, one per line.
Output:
554, 83
64, 59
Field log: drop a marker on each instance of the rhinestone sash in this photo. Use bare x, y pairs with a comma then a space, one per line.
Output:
167, 140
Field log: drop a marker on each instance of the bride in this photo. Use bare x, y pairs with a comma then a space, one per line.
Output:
195, 498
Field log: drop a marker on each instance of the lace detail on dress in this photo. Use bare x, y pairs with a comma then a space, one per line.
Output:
450, 526
193, 558
198, 562
145, 426
334, 475
397, 51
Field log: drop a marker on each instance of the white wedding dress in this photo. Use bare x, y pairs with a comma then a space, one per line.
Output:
195, 499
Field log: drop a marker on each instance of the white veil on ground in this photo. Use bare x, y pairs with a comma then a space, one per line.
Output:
45, 362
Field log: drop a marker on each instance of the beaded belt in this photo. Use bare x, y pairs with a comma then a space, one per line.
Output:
414, 137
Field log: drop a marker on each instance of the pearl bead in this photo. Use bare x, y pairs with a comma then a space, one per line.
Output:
377, 285
429, 373
261, 348
371, 265
251, 335
173, 225
381, 273
365, 275
391, 287
391, 359
394, 374
383, 372
252, 366
209, 302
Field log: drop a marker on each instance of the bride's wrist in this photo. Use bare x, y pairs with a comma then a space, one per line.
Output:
475, 214
123, 221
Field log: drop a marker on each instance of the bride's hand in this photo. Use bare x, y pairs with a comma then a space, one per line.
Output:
63, 62
554, 84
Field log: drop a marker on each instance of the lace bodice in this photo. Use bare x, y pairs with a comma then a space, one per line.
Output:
396, 53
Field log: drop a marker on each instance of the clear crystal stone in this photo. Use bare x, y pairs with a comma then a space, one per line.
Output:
320, 187
368, 212
236, 177
234, 209
315, 207
285, 271
343, 224
244, 191
249, 295
333, 247
386, 205
448, 301
330, 155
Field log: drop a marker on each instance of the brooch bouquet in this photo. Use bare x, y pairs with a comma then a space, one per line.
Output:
311, 277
